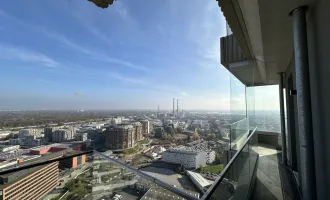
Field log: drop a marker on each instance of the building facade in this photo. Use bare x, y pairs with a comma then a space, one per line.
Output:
138, 131
31, 183
210, 157
62, 135
72, 163
145, 126
48, 132
119, 137
190, 159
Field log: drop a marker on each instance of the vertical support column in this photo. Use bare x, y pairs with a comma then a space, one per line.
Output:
307, 161
283, 130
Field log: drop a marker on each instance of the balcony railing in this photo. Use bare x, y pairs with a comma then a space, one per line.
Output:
101, 176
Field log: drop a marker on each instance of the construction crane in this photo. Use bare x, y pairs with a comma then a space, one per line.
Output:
102, 3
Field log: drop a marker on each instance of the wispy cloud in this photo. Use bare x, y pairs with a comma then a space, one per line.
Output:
26, 55
121, 9
45, 81
183, 93
127, 79
91, 27
93, 54
4, 14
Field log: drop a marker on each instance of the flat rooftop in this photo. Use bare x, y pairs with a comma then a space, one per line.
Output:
199, 179
160, 193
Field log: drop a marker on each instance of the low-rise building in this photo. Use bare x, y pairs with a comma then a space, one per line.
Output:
9, 148
210, 157
201, 183
185, 156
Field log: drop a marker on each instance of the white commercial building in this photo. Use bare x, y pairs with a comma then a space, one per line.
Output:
159, 149
10, 148
187, 157
210, 157
27, 132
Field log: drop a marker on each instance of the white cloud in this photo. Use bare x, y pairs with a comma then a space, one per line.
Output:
127, 79
183, 93
26, 55
91, 26
93, 54
121, 9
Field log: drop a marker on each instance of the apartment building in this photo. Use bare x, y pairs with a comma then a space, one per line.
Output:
138, 131
27, 132
62, 135
119, 137
145, 126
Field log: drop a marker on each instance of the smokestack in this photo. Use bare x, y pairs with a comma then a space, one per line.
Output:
173, 106
177, 107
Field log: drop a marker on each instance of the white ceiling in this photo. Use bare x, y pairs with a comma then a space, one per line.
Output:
265, 27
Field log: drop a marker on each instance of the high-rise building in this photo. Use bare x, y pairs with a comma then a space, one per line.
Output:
48, 132
173, 107
177, 107
138, 131
119, 137
145, 126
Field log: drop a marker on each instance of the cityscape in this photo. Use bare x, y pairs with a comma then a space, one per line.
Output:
101, 101
185, 149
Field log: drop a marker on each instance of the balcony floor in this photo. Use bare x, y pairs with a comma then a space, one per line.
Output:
268, 183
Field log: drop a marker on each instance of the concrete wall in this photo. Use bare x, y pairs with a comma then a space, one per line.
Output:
270, 138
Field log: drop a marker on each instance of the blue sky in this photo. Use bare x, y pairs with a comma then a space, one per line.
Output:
74, 55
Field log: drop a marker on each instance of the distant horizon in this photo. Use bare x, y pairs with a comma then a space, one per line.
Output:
154, 110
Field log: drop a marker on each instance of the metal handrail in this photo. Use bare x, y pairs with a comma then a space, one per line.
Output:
28, 166
216, 183
150, 178
130, 168
161, 183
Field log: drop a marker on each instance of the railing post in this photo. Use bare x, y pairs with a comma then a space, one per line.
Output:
283, 130
307, 161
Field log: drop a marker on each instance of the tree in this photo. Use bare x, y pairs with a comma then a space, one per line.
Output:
179, 129
210, 136
218, 158
195, 136
125, 151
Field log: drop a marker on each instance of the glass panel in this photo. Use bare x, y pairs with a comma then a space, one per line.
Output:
97, 177
238, 130
237, 180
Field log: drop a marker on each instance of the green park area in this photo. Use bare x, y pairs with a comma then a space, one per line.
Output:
132, 150
75, 189
212, 169
144, 141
